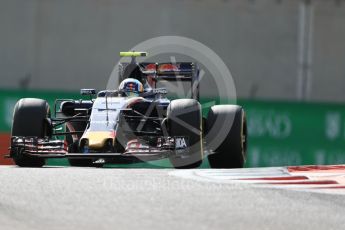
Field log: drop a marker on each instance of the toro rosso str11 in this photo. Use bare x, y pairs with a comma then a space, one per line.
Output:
136, 122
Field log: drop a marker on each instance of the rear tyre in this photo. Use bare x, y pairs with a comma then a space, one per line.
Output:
30, 120
229, 150
184, 119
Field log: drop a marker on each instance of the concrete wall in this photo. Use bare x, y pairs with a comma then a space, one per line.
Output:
69, 44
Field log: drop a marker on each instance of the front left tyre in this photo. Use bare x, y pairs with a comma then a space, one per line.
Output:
226, 137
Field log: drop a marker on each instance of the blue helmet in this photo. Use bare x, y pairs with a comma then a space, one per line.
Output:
131, 87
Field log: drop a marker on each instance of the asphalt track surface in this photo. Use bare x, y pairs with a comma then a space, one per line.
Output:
108, 198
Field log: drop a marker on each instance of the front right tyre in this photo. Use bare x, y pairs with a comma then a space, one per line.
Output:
184, 119
30, 120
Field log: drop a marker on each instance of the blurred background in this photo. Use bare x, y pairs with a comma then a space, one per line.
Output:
287, 59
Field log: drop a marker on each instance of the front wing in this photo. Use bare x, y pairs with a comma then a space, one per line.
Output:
47, 148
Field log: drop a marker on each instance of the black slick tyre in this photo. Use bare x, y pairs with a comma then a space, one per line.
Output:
184, 119
227, 143
30, 120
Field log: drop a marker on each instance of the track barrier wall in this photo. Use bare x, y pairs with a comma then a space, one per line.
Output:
280, 132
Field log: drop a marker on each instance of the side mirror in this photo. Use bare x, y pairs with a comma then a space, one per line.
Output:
87, 92
67, 108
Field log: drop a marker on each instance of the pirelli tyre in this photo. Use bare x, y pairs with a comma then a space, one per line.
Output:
226, 136
184, 122
30, 120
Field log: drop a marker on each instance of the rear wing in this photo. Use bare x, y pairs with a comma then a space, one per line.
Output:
180, 71
183, 71
167, 71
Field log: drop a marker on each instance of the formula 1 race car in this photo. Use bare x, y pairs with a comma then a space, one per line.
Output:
136, 122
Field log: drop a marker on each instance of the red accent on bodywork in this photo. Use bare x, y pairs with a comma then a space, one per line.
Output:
71, 129
167, 67
150, 67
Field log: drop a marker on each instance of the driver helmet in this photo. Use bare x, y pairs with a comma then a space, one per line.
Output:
131, 87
